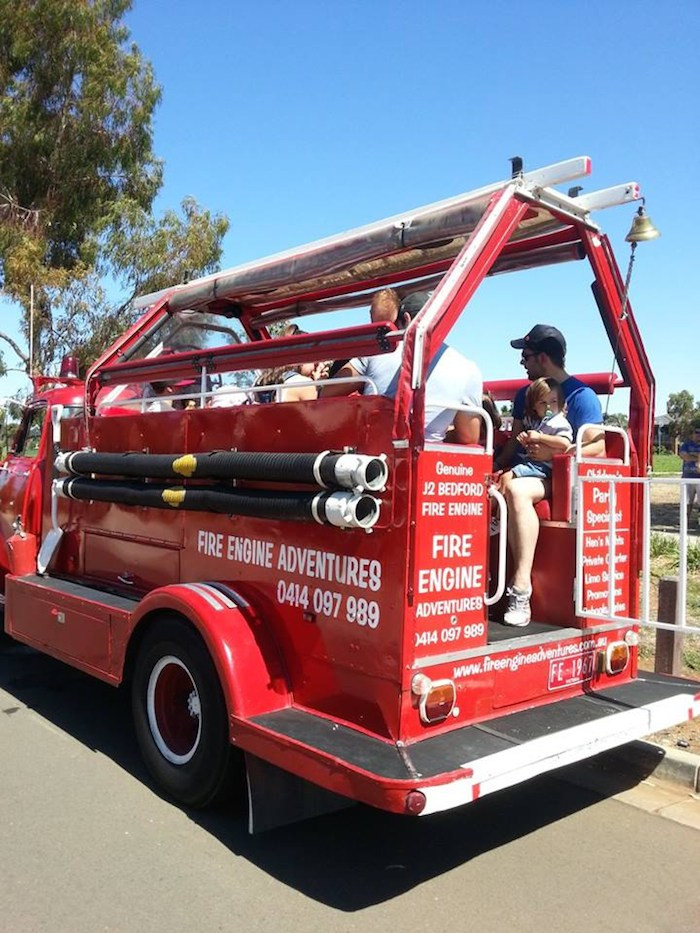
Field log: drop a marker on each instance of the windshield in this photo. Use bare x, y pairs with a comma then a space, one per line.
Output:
188, 330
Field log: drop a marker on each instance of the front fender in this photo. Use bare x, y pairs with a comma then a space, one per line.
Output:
241, 645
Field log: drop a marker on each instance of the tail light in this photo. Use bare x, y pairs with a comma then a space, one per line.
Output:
617, 656
436, 698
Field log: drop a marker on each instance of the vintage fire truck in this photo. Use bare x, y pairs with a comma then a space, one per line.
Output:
306, 593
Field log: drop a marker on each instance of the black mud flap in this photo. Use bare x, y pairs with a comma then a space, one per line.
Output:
278, 798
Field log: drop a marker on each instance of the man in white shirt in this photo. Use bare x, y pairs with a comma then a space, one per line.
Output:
451, 378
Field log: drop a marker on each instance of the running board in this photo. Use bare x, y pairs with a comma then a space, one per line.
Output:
457, 767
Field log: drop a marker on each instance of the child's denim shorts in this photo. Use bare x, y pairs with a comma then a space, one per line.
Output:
534, 468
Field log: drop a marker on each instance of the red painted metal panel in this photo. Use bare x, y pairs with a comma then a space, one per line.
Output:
71, 628
634, 364
492, 682
333, 600
121, 561
448, 550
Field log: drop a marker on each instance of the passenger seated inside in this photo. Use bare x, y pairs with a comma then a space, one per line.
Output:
294, 383
156, 396
182, 388
491, 409
489, 406
451, 378
543, 355
230, 396
384, 309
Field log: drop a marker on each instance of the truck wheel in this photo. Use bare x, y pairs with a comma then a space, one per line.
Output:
180, 715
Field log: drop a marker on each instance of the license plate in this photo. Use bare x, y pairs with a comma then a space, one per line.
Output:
573, 670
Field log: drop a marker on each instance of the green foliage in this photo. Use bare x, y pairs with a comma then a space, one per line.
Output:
78, 176
680, 404
76, 105
666, 547
139, 256
616, 418
147, 255
665, 462
683, 412
693, 560
663, 546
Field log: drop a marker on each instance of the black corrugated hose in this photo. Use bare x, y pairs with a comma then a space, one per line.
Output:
362, 510
325, 469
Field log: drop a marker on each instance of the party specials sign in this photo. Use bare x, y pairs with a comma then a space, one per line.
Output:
600, 573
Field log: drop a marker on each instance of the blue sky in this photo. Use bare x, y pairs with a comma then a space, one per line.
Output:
303, 119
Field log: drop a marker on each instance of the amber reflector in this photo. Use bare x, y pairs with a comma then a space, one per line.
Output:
617, 657
437, 703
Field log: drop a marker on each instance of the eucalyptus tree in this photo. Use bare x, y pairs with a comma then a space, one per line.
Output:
78, 174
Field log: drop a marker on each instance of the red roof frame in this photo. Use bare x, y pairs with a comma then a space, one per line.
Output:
488, 248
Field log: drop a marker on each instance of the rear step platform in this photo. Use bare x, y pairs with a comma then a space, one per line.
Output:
499, 632
459, 766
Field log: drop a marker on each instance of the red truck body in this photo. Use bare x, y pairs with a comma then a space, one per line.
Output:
333, 638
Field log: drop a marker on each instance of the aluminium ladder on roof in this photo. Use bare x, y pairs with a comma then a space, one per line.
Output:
437, 230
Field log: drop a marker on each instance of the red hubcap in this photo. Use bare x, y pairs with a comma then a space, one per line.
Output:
174, 711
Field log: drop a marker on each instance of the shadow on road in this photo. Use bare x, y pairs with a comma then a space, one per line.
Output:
665, 517
349, 860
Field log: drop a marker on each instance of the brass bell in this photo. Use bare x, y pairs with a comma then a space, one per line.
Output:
642, 228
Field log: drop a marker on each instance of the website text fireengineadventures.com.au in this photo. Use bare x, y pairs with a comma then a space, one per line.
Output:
486, 664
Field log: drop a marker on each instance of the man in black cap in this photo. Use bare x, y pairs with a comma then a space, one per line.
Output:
543, 354
450, 377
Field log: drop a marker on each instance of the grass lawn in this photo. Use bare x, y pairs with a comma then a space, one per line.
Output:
664, 562
667, 463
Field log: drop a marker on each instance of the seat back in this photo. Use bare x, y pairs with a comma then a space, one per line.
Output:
614, 446
557, 507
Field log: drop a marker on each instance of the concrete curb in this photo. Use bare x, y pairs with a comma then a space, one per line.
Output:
669, 764
619, 768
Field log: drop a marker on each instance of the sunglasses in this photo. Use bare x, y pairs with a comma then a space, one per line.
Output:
524, 357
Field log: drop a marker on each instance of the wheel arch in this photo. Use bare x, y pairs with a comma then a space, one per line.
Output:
241, 645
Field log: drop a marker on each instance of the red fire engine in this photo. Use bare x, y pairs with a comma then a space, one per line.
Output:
307, 592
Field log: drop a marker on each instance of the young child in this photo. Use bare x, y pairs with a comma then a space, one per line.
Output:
545, 423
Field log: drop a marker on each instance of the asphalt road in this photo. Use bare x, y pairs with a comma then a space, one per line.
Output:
87, 845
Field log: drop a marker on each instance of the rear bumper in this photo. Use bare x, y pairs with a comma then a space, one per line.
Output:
546, 752
460, 766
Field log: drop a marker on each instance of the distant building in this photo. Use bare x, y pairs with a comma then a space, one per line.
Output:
662, 436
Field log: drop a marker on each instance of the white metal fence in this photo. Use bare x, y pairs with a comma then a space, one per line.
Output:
613, 486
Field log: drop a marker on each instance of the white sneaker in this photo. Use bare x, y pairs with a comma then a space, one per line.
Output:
518, 611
